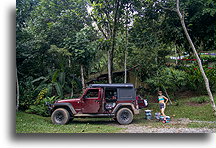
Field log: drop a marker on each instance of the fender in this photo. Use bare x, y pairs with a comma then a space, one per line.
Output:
65, 104
135, 111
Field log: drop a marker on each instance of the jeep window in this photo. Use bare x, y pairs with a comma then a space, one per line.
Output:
92, 93
126, 93
111, 93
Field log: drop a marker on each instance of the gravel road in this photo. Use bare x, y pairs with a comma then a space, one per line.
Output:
137, 128
133, 128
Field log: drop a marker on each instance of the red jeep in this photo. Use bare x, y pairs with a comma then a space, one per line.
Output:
99, 100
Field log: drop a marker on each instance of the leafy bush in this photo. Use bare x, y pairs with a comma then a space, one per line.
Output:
195, 80
199, 100
27, 93
208, 58
168, 78
40, 107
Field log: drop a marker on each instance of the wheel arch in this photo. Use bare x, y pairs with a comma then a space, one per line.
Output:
66, 106
123, 105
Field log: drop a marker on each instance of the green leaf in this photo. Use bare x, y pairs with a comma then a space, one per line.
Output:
58, 89
39, 79
62, 78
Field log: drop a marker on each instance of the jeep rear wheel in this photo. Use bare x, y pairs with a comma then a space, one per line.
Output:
124, 116
60, 116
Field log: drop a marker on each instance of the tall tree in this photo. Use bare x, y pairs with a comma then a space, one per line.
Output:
181, 14
181, 17
42, 25
84, 49
200, 20
106, 15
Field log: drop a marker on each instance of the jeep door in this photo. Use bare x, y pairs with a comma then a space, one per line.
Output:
91, 102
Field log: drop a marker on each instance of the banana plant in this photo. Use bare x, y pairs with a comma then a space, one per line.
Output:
54, 83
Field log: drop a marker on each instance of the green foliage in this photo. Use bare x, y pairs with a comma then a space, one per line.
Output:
168, 78
53, 38
195, 80
208, 58
41, 95
200, 100
83, 48
44, 29
199, 17
28, 94
53, 84
40, 107
30, 123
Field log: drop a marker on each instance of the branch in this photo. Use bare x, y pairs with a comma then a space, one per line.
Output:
181, 16
99, 27
167, 8
108, 21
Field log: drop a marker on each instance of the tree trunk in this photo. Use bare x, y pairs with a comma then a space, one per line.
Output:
179, 56
109, 68
197, 57
17, 95
135, 82
113, 39
72, 92
82, 76
125, 67
126, 49
176, 59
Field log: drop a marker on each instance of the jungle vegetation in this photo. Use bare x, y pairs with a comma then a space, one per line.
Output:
63, 44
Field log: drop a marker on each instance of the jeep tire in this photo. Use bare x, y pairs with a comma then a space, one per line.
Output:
60, 116
124, 116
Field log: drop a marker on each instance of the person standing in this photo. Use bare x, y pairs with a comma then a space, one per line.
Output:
162, 102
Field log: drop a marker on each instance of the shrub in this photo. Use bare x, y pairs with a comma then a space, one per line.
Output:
195, 80
40, 107
27, 93
208, 58
168, 78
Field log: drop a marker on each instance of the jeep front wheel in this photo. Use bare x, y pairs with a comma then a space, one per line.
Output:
124, 116
60, 116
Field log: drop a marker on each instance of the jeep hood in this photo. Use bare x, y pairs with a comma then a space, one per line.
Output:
68, 100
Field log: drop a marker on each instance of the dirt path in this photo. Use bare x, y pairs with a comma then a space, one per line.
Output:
177, 126
133, 128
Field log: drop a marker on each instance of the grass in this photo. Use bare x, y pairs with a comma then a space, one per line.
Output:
185, 109
30, 123
200, 110
201, 125
200, 100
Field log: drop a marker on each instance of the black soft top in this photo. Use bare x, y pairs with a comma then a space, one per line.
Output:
117, 85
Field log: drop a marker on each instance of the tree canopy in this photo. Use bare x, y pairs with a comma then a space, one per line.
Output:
59, 44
